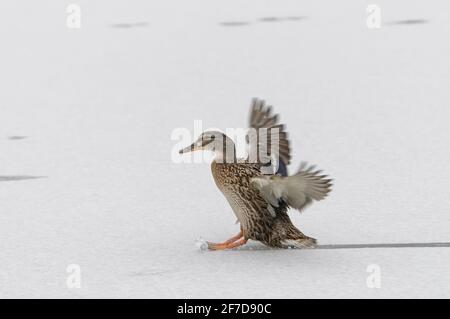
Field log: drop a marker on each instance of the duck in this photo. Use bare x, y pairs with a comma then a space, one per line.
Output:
258, 188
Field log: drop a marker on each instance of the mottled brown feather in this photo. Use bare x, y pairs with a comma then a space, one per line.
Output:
251, 210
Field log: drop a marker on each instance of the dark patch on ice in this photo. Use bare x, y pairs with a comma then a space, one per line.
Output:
297, 18
408, 22
16, 137
270, 19
129, 25
281, 19
259, 246
263, 19
14, 178
234, 23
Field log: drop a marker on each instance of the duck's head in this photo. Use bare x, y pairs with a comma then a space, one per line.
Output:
216, 142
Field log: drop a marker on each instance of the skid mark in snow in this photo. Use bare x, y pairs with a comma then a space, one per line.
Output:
14, 178
257, 246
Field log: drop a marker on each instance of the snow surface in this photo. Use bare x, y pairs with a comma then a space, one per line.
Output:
86, 118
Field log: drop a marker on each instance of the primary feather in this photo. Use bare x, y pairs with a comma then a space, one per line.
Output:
266, 133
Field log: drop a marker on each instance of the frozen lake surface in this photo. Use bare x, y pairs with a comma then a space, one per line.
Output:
87, 177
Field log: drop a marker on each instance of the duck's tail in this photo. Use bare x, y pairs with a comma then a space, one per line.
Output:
295, 238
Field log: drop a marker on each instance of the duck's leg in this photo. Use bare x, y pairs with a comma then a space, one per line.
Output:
227, 244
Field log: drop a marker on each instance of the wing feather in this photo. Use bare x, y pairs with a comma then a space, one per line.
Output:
261, 117
297, 191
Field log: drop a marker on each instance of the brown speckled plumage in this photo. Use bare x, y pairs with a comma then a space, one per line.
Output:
251, 209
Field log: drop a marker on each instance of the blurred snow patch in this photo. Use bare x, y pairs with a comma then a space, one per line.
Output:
201, 244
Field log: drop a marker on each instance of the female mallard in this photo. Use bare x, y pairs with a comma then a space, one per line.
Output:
258, 188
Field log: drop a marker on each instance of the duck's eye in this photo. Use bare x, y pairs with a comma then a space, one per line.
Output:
213, 137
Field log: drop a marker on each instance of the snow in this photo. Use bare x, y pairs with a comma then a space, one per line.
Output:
201, 244
91, 181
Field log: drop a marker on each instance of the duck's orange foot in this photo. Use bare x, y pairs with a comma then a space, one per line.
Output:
233, 242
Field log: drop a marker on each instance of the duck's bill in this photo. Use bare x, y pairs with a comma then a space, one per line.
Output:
191, 148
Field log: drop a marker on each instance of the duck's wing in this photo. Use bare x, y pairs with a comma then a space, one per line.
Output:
267, 140
297, 191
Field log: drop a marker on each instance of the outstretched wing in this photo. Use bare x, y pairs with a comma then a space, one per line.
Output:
267, 140
297, 191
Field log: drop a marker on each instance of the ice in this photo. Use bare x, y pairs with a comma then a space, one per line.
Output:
201, 244
93, 183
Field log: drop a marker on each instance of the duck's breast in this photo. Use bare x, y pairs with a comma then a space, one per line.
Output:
233, 180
